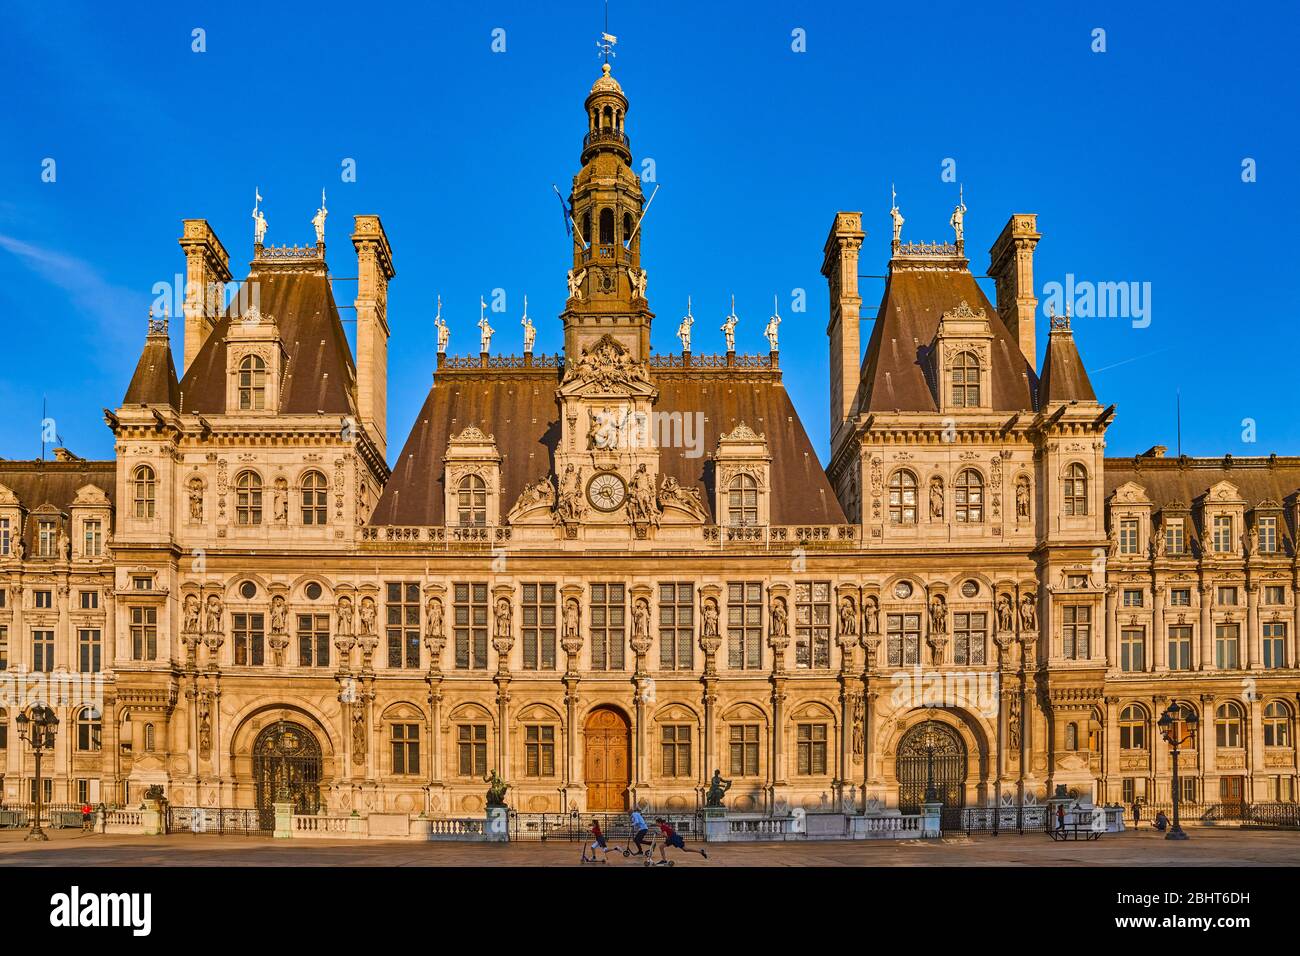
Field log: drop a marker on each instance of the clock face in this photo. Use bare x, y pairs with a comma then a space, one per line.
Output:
606, 492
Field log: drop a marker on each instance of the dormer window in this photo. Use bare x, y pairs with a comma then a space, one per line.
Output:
252, 383
145, 491
1076, 490
471, 496
248, 499
902, 497
6, 536
968, 504
1128, 536
742, 502
93, 544
966, 381
1175, 542
1267, 531
46, 531
1223, 533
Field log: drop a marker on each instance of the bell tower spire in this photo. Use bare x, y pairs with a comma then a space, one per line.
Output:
607, 285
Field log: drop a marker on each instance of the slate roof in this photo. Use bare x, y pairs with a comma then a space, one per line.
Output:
1064, 378
154, 381
55, 483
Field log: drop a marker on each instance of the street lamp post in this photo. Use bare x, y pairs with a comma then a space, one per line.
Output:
1177, 729
38, 730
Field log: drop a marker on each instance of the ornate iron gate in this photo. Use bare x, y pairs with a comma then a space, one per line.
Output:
286, 769
932, 748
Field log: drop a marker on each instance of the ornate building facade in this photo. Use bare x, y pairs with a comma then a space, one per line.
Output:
607, 573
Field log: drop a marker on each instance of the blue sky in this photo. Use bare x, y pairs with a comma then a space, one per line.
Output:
1132, 159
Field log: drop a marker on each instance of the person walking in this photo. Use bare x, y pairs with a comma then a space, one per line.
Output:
1137, 814
87, 820
674, 839
1060, 817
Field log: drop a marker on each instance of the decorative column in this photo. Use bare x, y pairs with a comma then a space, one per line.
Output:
1112, 627
643, 684
1207, 630
435, 642
851, 716
710, 641
1159, 637
778, 639
571, 643
1253, 646
1112, 771
1255, 770
503, 642
1207, 744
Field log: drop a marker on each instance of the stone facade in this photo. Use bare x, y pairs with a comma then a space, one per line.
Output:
606, 574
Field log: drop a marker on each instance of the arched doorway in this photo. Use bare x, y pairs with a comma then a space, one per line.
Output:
286, 769
932, 748
607, 739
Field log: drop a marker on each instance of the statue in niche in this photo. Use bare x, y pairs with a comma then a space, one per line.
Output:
196, 499
870, 616
1022, 497
848, 617
936, 497
193, 614
1028, 613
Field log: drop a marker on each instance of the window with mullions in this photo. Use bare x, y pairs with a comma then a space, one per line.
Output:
1076, 490
1128, 536
89, 650
744, 750
313, 640
6, 536
1277, 724
46, 539
89, 730
539, 750
42, 650
403, 623
470, 606
810, 747
1133, 728
812, 624
1227, 640
676, 626
471, 750
744, 625
405, 741
607, 627
902, 497
1076, 631
968, 502
471, 502
4, 647
1267, 530
93, 540
1180, 647
249, 631
1223, 533
903, 639
1274, 644
144, 633
1132, 650
538, 633
248, 499
742, 502
969, 635
966, 381
1227, 725
1175, 540
252, 383
675, 740
315, 499
144, 491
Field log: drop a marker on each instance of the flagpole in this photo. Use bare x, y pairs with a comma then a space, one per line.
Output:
628, 244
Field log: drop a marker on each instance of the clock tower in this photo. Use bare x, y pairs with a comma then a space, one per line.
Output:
607, 286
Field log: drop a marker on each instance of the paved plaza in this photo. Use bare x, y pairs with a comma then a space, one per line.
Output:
1207, 847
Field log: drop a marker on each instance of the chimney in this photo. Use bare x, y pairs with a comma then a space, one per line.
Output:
840, 267
207, 270
1011, 264
374, 269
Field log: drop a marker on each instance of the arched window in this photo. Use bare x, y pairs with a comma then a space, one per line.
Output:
609, 118
586, 227
628, 225
248, 499
148, 738
742, 502
1133, 728
606, 226
252, 383
1227, 725
1076, 490
969, 500
145, 491
315, 498
1277, 725
966, 381
1071, 736
472, 502
89, 729
902, 497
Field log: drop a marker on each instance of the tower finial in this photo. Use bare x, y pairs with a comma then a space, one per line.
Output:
606, 42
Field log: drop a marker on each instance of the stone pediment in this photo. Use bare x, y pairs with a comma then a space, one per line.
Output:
1131, 493
7, 497
90, 495
1224, 492
606, 367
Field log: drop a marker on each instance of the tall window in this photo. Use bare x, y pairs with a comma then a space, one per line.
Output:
144, 633
4, 729
539, 750
1076, 490
810, 745
89, 650
1274, 644
1128, 536
4, 647
812, 624
249, 631
1227, 725
1277, 724
6, 539
744, 625
144, 491
89, 729
315, 499
675, 741
1133, 728
1076, 631
150, 738
252, 383
1226, 642
968, 637
966, 381
1132, 650
313, 640
1223, 533
676, 626
471, 747
1175, 542
744, 750
1267, 529
93, 539
606, 225
47, 538
969, 501
607, 627
1071, 736
405, 740
42, 650
1180, 647
742, 502
471, 625
248, 498
902, 497
403, 624
539, 608
471, 502
903, 638
1227, 596
44, 600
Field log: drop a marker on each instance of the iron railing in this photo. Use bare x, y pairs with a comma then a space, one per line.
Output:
1270, 815
243, 821
617, 827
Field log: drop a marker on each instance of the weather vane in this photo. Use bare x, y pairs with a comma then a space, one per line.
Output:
607, 40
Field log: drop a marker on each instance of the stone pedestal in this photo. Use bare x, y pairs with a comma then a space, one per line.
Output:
715, 825
930, 820
496, 828
283, 820
152, 818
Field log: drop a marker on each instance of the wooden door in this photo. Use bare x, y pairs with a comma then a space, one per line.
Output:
607, 768
1232, 790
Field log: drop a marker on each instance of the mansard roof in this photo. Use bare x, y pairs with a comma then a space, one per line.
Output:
1177, 483
894, 374
154, 381
1064, 378
518, 407
54, 483
320, 375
